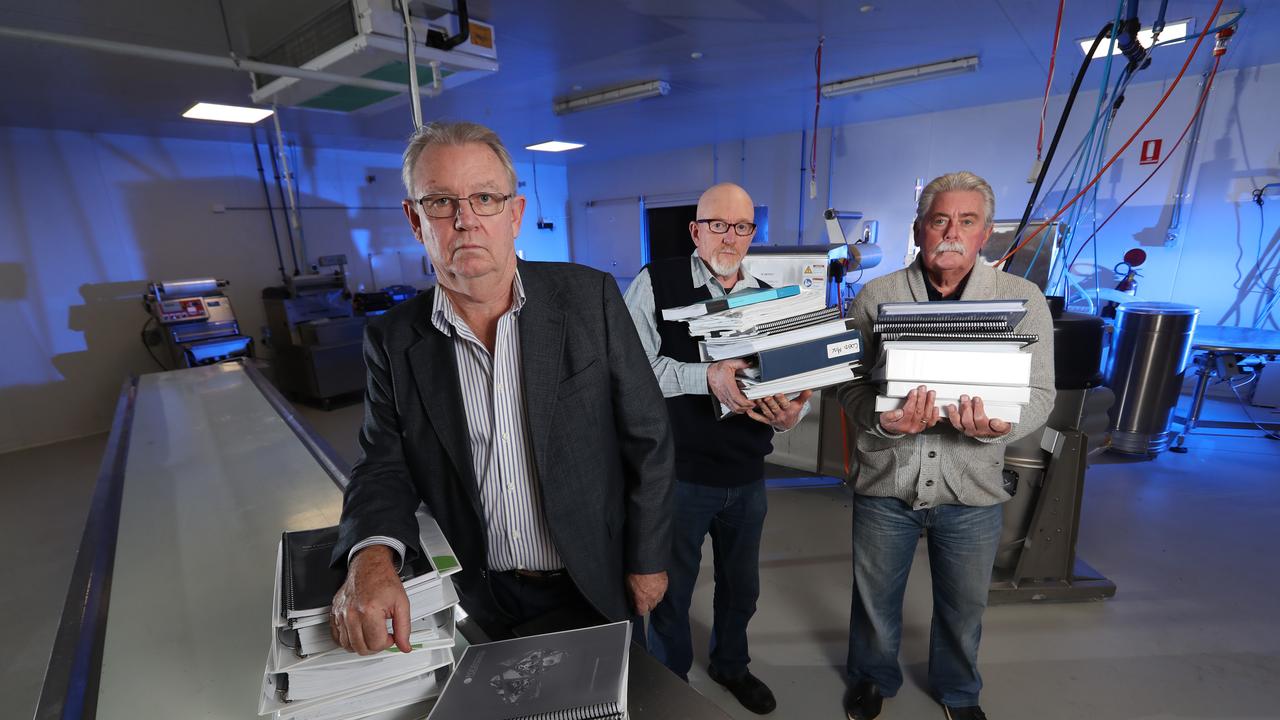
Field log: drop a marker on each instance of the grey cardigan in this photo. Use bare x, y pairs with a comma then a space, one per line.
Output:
941, 466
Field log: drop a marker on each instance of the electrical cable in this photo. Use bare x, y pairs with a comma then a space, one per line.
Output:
1048, 81
533, 160
1235, 390
1169, 91
1204, 94
288, 227
271, 213
817, 106
143, 336
1057, 136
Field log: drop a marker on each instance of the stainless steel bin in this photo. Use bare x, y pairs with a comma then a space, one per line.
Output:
1148, 356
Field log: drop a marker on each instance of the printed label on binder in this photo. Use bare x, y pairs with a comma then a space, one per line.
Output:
848, 347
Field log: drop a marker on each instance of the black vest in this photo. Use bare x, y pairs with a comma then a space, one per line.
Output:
722, 453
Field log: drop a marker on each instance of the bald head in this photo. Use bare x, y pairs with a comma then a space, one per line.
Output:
722, 195
731, 206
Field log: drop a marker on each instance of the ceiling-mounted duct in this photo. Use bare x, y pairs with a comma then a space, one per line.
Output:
365, 38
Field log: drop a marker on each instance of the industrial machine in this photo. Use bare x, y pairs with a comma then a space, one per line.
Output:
824, 267
1044, 471
366, 38
315, 336
197, 324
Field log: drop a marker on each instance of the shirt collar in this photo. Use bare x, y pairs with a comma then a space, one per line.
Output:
446, 318
702, 276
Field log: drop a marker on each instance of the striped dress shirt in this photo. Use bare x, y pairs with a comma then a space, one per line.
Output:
498, 431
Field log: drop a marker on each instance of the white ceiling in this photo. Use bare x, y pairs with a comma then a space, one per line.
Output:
755, 76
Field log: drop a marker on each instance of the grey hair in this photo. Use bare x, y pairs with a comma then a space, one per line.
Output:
453, 133
957, 181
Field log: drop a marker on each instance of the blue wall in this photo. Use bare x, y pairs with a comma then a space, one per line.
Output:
89, 219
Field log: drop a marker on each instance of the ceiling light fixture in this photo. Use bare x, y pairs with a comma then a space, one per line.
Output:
611, 96
553, 146
226, 113
1173, 33
889, 78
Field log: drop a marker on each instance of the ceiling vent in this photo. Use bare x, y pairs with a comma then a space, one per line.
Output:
366, 38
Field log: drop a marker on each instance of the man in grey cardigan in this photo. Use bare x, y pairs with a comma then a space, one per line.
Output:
920, 471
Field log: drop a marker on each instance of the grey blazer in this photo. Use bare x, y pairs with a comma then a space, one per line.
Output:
597, 423
888, 465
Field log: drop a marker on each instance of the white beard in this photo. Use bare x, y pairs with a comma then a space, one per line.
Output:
724, 268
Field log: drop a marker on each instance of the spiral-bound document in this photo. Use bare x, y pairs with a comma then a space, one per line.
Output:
571, 675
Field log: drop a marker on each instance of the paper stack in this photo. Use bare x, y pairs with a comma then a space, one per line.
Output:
959, 347
309, 677
792, 340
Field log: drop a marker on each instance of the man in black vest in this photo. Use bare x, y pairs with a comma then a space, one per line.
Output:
719, 463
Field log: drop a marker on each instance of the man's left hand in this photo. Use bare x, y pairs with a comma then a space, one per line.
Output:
779, 412
646, 590
971, 419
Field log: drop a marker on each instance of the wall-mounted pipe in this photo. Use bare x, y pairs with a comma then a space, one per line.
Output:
190, 58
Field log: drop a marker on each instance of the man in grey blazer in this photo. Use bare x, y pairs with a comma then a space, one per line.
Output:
917, 472
514, 400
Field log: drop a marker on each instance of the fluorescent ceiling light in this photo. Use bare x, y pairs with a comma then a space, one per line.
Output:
611, 96
554, 146
1173, 33
900, 76
226, 113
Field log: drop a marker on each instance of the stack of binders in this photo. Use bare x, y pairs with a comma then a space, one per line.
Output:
308, 676
791, 339
955, 348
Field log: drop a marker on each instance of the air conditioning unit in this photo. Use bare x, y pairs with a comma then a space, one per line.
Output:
366, 38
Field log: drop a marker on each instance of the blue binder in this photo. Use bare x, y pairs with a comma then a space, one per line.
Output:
803, 357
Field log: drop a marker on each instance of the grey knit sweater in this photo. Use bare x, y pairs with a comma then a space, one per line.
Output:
941, 466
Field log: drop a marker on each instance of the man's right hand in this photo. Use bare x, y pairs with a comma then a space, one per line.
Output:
917, 414
371, 594
722, 381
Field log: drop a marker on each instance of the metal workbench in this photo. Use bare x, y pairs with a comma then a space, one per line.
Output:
1214, 342
167, 614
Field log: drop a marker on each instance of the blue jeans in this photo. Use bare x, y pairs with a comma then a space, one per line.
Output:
735, 519
962, 548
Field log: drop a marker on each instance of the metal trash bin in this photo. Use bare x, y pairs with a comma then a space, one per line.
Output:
1145, 368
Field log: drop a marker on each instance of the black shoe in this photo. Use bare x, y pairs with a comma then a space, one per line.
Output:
753, 694
863, 701
971, 712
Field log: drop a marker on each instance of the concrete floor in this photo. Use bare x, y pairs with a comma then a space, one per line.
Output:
1188, 539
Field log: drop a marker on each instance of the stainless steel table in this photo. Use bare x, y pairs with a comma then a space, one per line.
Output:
168, 610
1218, 341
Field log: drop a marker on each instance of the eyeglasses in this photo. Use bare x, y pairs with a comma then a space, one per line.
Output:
720, 227
446, 206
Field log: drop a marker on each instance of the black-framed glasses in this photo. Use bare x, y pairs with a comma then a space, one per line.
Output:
446, 206
720, 227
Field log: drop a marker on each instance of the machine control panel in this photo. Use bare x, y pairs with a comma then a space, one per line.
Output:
183, 310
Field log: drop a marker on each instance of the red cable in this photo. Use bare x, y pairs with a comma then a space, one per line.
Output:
1127, 143
1048, 83
1204, 95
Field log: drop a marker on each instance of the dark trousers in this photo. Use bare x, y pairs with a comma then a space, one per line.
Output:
962, 548
735, 519
518, 605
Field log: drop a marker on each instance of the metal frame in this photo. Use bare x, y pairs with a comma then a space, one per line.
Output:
70, 687
1048, 569
71, 679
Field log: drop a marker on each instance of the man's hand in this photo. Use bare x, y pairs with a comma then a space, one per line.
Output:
371, 594
646, 590
916, 415
971, 419
779, 412
722, 381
